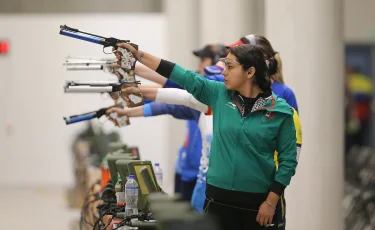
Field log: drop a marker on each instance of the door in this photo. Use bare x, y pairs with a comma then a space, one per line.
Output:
361, 57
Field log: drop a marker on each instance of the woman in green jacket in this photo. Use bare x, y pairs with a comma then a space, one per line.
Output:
250, 124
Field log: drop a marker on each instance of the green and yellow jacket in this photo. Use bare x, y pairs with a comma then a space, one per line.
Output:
242, 156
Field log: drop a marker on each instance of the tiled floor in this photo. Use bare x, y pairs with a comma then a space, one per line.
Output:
35, 208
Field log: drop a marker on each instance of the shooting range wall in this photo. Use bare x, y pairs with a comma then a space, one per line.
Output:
33, 101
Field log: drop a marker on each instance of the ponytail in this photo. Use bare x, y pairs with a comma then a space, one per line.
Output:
264, 83
278, 76
272, 66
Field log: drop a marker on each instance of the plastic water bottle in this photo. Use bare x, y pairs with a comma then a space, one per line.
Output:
131, 197
158, 174
120, 194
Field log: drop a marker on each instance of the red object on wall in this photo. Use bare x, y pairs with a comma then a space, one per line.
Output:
4, 47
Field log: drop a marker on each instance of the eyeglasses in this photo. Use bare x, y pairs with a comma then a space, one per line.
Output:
228, 59
225, 60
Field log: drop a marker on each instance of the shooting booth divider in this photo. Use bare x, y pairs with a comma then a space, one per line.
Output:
113, 170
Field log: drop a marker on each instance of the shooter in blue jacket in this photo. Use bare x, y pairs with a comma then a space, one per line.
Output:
188, 161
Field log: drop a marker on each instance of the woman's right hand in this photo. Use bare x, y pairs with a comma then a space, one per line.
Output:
128, 47
119, 111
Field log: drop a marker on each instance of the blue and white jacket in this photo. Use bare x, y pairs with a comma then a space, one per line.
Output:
188, 161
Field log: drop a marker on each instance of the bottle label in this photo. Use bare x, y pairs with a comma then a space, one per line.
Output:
119, 187
132, 191
120, 196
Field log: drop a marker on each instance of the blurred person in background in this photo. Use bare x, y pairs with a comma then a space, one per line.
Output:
209, 56
187, 163
359, 91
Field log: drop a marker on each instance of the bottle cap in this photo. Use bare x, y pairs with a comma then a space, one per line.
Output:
156, 164
118, 176
131, 177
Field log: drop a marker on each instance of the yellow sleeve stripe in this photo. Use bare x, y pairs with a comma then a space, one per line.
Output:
298, 127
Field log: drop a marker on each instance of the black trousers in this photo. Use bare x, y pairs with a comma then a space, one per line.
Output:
177, 183
235, 210
229, 218
187, 189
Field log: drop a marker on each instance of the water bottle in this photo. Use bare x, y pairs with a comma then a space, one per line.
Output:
131, 197
120, 194
158, 174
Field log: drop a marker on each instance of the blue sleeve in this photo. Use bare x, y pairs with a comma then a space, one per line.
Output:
177, 111
217, 77
147, 100
147, 112
290, 98
171, 84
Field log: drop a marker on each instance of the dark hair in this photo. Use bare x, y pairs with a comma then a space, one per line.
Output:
252, 56
217, 51
272, 66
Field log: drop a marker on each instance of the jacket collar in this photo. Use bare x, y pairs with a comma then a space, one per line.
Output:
258, 103
271, 103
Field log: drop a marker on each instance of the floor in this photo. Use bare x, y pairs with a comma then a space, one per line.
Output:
36, 208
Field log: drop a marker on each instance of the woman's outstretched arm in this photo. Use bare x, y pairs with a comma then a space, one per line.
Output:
148, 74
203, 90
169, 96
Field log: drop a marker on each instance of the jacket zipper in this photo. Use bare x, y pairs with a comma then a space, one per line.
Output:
242, 123
243, 117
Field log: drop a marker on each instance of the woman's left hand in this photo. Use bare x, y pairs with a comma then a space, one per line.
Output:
265, 214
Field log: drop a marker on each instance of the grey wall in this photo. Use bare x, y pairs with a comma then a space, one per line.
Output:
79, 6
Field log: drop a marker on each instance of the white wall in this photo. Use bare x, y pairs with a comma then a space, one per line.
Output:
359, 21
312, 52
35, 142
178, 24
240, 18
